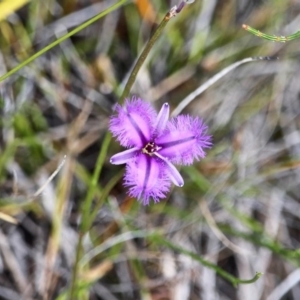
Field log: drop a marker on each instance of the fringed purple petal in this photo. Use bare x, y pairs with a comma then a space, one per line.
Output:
172, 172
124, 156
161, 120
146, 178
133, 123
184, 140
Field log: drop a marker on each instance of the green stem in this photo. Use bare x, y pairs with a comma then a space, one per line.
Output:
66, 36
75, 269
143, 56
269, 37
234, 280
105, 192
85, 223
87, 204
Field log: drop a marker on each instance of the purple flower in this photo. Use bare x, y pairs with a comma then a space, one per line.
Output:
155, 143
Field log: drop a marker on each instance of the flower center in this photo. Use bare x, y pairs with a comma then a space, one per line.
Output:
150, 148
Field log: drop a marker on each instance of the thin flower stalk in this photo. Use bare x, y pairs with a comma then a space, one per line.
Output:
170, 14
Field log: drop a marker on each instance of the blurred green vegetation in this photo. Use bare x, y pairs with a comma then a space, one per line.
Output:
238, 212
